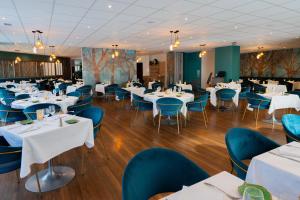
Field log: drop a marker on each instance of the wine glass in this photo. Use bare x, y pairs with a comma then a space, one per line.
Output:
46, 112
253, 193
52, 110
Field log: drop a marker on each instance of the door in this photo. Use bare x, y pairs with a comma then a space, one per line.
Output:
139, 71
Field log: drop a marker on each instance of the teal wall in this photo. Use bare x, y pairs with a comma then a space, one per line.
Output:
191, 66
228, 59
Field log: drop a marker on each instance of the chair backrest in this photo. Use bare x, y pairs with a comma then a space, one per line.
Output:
10, 158
148, 91
188, 91
80, 105
10, 86
202, 99
259, 88
156, 85
158, 170
63, 86
74, 94
137, 84
225, 94
111, 88
30, 111
257, 100
96, 114
22, 96
169, 106
85, 90
243, 144
8, 114
121, 93
291, 125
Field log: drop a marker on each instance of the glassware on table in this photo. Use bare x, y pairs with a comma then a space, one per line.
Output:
40, 114
253, 193
46, 112
52, 110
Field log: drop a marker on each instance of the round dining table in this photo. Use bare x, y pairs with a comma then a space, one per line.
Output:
184, 97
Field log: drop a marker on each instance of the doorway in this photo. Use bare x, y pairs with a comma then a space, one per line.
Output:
139, 72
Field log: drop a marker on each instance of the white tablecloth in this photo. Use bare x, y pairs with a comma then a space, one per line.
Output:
280, 176
185, 86
100, 88
185, 98
213, 96
136, 90
64, 103
274, 88
279, 101
47, 139
227, 182
150, 84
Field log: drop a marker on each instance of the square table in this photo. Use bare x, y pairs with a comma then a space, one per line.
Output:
278, 170
44, 140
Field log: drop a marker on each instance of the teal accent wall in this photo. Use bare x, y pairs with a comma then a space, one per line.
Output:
191, 66
228, 59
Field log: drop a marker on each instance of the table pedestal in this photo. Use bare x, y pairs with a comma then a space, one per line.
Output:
272, 119
52, 178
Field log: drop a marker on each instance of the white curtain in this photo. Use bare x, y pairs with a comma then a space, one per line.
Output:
178, 68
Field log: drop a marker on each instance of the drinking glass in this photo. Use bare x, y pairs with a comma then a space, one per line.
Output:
253, 193
52, 110
46, 112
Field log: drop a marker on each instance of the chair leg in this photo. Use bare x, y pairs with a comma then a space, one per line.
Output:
203, 114
153, 120
159, 122
180, 120
177, 124
231, 167
18, 176
244, 113
206, 115
136, 113
256, 118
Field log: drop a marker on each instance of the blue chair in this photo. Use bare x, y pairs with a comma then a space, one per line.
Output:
158, 170
80, 106
10, 115
188, 91
257, 88
297, 92
63, 86
55, 91
110, 91
257, 102
74, 94
135, 84
156, 85
10, 86
244, 144
10, 158
85, 90
199, 106
22, 96
243, 93
172, 86
141, 105
291, 125
148, 91
122, 95
30, 111
169, 107
225, 95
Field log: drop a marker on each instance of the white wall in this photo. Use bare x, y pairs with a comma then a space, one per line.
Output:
207, 66
145, 61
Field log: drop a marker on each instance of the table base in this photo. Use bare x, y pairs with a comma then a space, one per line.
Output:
50, 179
272, 120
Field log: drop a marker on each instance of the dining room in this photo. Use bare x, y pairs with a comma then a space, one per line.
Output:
150, 100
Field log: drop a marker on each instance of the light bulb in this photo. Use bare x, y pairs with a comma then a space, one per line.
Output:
177, 43
50, 58
34, 49
200, 55
171, 47
116, 53
112, 56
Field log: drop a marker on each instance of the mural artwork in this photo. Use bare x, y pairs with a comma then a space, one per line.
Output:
99, 66
277, 63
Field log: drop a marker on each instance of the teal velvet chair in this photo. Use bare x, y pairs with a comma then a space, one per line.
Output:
158, 170
156, 85
225, 95
63, 86
30, 111
110, 91
172, 86
199, 106
257, 103
291, 125
243, 93
122, 94
85, 90
10, 115
22, 96
80, 106
135, 84
74, 94
188, 91
141, 105
169, 107
148, 91
244, 144
10, 158
257, 88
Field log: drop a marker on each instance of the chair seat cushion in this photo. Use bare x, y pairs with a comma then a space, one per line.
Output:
195, 108
261, 107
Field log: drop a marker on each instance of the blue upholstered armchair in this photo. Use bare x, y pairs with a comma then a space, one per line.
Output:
85, 90
225, 95
141, 105
244, 144
74, 94
199, 106
80, 105
257, 102
30, 111
10, 115
158, 170
291, 125
169, 107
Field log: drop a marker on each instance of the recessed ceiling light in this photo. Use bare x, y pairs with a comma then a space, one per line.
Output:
3, 18
186, 18
271, 33
109, 6
191, 37
88, 27
235, 27
148, 33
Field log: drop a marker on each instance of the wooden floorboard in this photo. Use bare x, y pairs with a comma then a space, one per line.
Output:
123, 135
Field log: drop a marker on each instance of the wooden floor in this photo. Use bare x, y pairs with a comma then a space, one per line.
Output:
123, 136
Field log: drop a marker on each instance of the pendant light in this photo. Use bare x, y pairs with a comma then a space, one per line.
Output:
52, 55
202, 52
260, 53
37, 41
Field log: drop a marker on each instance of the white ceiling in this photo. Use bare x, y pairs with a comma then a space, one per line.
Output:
144, 25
